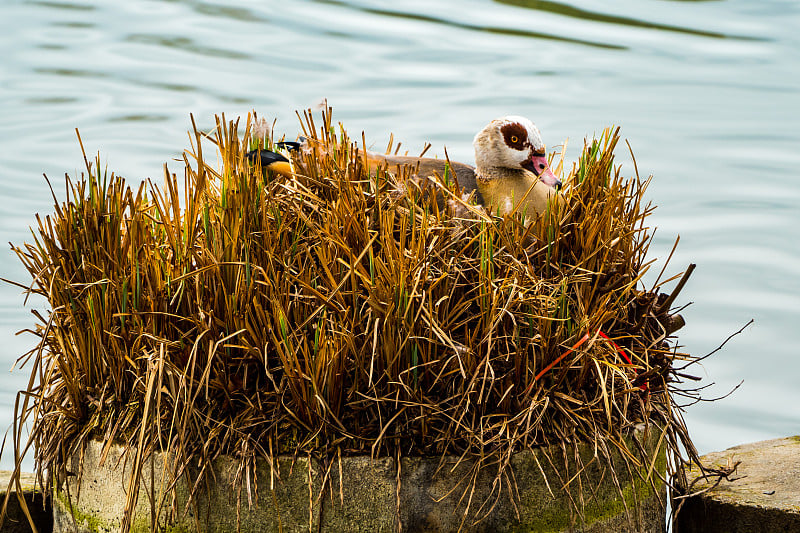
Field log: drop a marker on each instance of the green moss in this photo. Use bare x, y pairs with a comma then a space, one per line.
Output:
633, 495
549, 522
86, 520
97, 525
554, 519
143, 526
609, 504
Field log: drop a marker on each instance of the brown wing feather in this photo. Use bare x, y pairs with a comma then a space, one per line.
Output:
428, 166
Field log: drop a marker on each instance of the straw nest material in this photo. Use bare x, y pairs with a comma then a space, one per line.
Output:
337, 312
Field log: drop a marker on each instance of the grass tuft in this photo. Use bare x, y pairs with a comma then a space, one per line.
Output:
339, 313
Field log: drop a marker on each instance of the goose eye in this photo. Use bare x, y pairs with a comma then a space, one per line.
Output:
514, 139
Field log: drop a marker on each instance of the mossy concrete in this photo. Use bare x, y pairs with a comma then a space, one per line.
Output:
762, 496
362, 495
95, 501
16, 521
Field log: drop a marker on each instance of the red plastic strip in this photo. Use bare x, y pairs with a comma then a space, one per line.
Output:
575, 347
560, 357
620, 350
643, 386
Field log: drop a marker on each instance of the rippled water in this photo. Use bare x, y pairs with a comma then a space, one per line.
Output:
706, 92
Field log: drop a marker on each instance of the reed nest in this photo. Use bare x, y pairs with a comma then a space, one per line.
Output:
338, 312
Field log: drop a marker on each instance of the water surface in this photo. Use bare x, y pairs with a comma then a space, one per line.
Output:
707, 93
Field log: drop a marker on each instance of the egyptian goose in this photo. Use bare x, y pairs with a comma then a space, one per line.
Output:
510, 167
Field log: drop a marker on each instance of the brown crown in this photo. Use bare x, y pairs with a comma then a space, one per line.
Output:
512, 131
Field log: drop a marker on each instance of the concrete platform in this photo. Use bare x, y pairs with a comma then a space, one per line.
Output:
365, 497
762, 497
16, 521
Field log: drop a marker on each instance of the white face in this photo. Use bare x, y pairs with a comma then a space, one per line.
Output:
508, 142
515, 143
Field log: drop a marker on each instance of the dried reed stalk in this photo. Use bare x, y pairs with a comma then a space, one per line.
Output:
338, 312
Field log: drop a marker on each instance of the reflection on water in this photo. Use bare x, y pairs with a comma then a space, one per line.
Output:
570, 11
707, 93
467, 26
63, 5
186, 44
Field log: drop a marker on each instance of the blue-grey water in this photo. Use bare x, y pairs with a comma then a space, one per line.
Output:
707, 93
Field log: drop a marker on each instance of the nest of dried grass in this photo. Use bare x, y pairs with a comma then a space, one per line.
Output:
338, 312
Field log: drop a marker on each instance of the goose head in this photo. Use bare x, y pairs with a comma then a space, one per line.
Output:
511, 171
512, 143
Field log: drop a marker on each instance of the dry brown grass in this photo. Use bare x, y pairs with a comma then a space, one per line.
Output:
340, 312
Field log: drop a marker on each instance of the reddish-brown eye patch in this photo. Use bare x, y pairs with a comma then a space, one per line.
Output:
515, 135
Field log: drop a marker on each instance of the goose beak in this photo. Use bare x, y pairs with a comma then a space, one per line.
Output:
271, 160
538, 165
